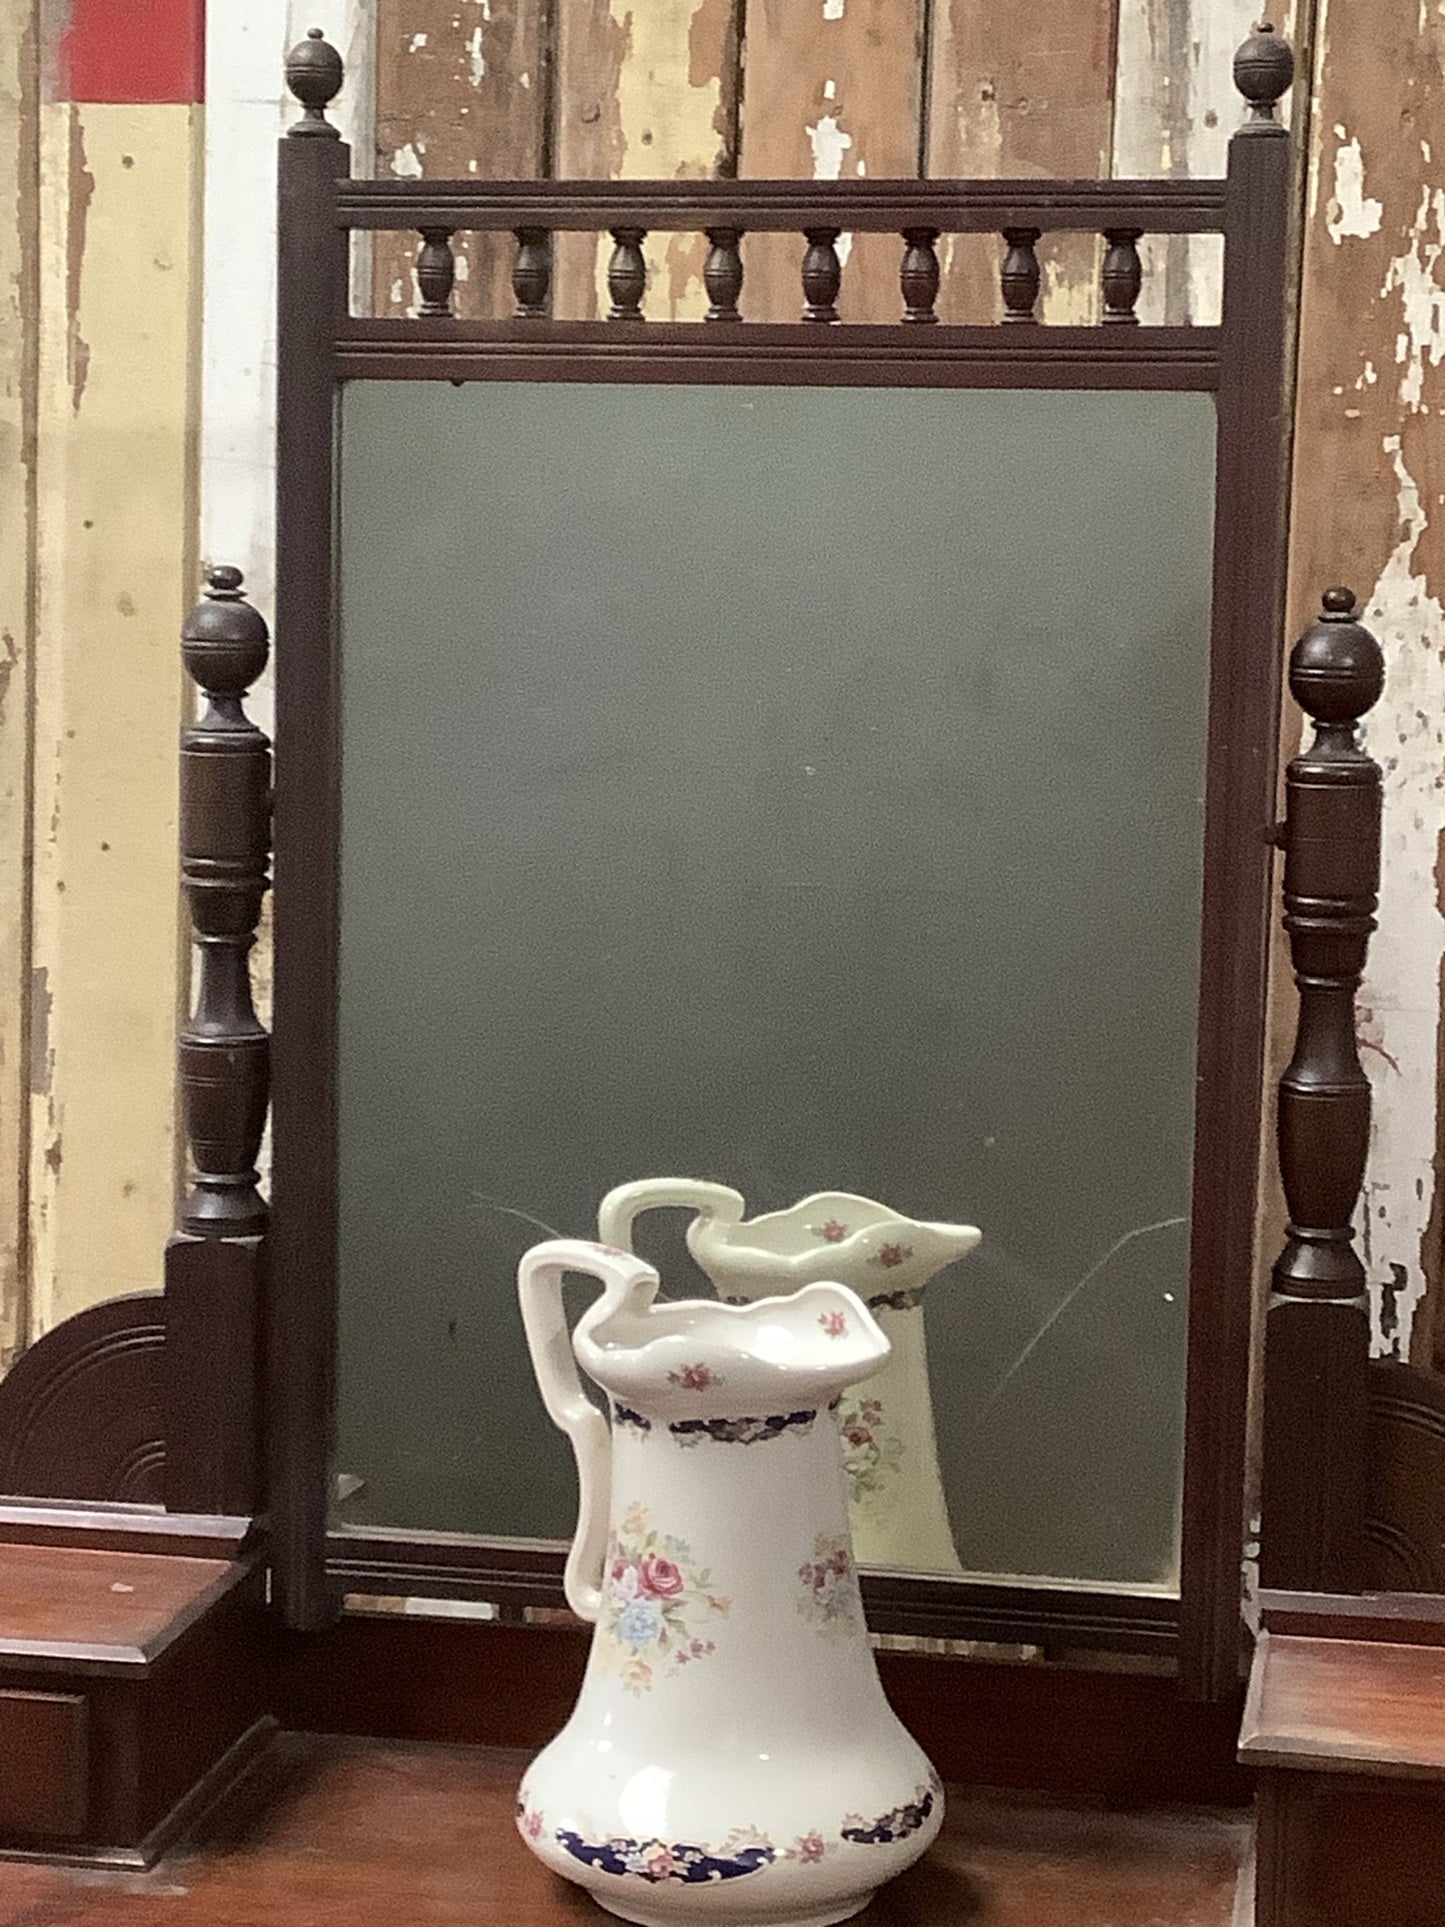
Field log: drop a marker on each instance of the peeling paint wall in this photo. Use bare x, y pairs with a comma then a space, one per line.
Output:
19, 194
1369, 510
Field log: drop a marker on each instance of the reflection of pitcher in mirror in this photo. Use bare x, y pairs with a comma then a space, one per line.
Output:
898, 1512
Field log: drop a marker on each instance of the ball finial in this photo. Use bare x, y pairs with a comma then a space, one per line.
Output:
224, 641
223, 583
314, 73
1337, 669
1263, 71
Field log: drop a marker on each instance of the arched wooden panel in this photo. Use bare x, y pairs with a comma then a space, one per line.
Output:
80, 1411
1405, 1480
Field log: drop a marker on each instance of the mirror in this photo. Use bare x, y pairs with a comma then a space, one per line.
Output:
799, 788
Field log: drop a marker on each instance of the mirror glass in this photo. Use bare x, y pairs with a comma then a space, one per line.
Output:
798, 789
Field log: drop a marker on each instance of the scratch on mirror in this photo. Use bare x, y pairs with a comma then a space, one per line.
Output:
1128, 1238
511, 1211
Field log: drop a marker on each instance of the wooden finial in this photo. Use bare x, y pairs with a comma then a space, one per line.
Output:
225, 847
314, 73
1317, 1325
1263, 71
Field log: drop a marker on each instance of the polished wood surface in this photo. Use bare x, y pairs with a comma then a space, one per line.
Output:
113, 1609
1346, 1705
338, 1832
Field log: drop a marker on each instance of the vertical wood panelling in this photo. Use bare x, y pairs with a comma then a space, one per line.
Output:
1369, 483
1176, 109
19, 193
832, 90
1021, 91
644, 91
461, 90
117, 407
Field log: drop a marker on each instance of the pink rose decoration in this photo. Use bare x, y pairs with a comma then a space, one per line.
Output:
834, 1232
892, 1255
833, 1323
659, 1863
659, 1578
811, 1847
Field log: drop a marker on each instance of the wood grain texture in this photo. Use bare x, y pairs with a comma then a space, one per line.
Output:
644, 92
1346, 1705
336, 1832
110, 1609
833, 91
1028, 92
43, 1764
461, 89
1369, 472
1350, 1852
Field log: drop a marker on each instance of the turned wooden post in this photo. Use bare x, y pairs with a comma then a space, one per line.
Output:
1317, 1329
213, 1264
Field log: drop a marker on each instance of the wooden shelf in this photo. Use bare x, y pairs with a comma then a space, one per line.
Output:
340, 1831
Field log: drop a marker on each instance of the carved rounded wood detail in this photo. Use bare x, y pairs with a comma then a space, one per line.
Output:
314, 74
1263, 71
80, 1412
1405, 1480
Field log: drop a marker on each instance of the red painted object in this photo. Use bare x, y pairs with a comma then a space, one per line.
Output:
132, 50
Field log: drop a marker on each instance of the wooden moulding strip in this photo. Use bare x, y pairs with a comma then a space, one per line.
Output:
879, 206
445, 350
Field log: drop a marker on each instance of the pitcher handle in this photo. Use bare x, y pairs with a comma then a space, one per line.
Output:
622, 1207
544, 1318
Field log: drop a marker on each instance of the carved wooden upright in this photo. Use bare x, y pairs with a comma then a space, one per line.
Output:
213, 1265
1317, 1327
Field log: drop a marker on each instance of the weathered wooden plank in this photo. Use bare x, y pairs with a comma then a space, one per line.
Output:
1369, 481
832, 90
644, 92
19, 192
461, 89
1176, 109
117, 408
1021, 91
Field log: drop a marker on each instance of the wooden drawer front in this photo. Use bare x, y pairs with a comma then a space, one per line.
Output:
43, 1765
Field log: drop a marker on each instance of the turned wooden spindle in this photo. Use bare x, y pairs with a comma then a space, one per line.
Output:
1317, 1328
1019, 275
627, 274
1263, 73
822, 274
436, 271
225, 848
723, 273
1123, 275
919, 275
532, 273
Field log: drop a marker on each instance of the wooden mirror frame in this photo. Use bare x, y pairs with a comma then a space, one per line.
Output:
236, 1377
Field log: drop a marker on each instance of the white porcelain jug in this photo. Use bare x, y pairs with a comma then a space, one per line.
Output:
899, 1512
731, 1756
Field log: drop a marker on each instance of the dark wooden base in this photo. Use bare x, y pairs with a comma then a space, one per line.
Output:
339, 1832
1071, 1730
132, 1696
1346, 1728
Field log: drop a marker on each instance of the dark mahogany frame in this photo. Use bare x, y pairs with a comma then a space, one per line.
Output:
1242, 362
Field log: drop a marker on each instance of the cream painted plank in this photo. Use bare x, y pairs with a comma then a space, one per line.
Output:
832, 90
1176, 109
1369, 510
1020, 91
19, 189
643, 92
117, 410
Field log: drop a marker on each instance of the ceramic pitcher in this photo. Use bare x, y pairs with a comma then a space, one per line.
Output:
899, 1512
731, 1756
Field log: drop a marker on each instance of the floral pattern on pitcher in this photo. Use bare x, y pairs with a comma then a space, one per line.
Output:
830, 1597
896, 1825
655, 1603
872, 1453
741, 1431
529, 1821
834, 1323
695, 1378
745, 1851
